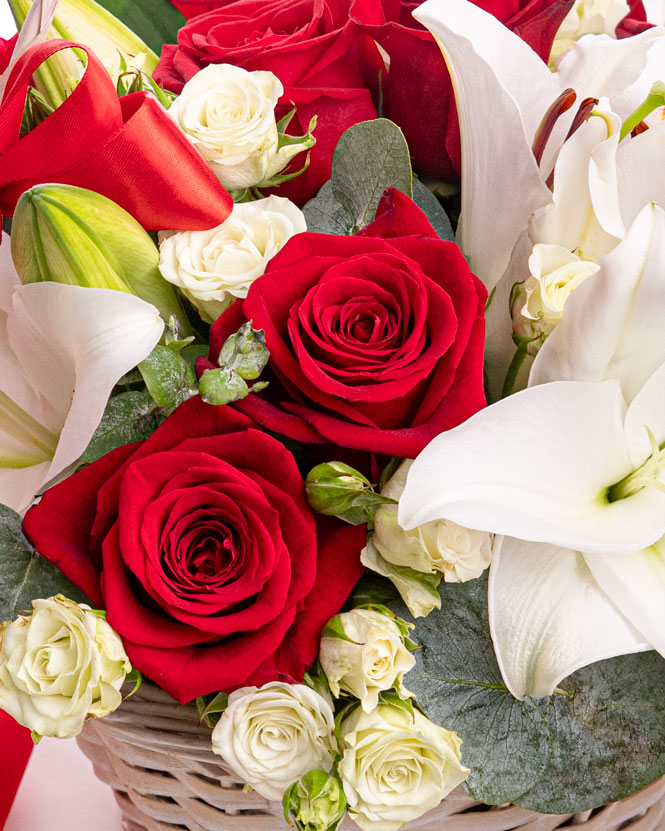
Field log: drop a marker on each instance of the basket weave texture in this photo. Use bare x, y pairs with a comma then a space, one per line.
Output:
156, 756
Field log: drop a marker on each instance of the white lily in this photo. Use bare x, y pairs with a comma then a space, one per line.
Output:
516, 141
62, 349
579, 574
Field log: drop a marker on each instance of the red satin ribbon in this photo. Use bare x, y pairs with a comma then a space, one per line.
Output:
15, 748
125, 148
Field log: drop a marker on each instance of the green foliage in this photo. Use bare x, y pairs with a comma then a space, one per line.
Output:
24, 574
168, 377
155, 21
130, 416
369, 158
598, 739
211, 707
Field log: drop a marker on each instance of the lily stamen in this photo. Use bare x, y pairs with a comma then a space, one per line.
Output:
646, 476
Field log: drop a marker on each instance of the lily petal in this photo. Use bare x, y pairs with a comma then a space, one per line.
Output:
488, 64
537, 466
548, 616
636, 584
8, 277
34, 30
613, 323
74, 344
636, 161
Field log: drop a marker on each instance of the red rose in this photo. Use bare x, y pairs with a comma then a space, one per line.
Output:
324, 62
201, 547
418, 95
376, 341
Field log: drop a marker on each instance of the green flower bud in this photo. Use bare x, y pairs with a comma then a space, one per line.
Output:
335, 489
86, 22
316, 802
71, 235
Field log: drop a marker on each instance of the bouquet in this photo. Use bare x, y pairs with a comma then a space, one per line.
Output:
333, 391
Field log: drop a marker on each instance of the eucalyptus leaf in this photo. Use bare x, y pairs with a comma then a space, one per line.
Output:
369, 157
24, 574
431, 207
128, 417
599, 738
168, 377
155, 21
325, 215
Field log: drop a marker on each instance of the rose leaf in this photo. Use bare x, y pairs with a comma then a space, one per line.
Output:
24, 574
599, 738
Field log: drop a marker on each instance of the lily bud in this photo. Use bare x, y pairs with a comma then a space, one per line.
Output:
86, 22
316, 802
75, 236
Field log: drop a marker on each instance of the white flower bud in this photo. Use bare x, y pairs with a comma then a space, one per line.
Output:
538, 303
228, 114
587, 17
60, 666
273, 735
363, 652
396, 766
439, 547
212, 268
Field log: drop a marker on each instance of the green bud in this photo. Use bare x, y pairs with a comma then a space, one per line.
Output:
316, 802
37, 109
86, 22
336, 489
72, 235
245, 352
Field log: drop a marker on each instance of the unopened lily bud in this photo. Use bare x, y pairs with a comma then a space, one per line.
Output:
86, 22
365, 652
537, 304
72, 235
316, 802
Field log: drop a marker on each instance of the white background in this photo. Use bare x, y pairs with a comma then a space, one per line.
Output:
59, 791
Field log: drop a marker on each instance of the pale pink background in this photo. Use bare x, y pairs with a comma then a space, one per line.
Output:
60, 792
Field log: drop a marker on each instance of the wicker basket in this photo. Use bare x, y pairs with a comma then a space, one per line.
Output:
157, 758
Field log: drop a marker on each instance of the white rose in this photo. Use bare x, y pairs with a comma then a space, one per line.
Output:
396, 766
213, 267
538, 306
367, 657
273, 735
587, 17
228, 114
439, 547
59, 666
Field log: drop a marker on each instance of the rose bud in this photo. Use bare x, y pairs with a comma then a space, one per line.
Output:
366, 652
416, 560
60, 665
75, 236
332, 487
86, 22
316, 802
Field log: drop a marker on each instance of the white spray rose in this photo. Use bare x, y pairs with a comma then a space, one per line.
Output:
59, 666
213, 267
415, 560
396, 766
538, 304
587, 17
273, 735
228, 114
364, 653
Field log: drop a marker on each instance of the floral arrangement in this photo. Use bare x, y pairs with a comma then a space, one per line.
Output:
333, 390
